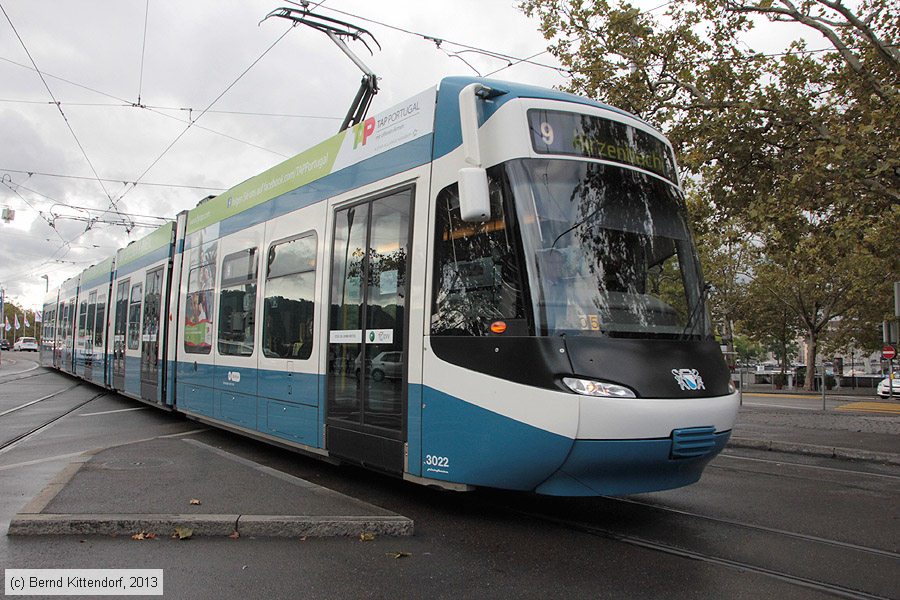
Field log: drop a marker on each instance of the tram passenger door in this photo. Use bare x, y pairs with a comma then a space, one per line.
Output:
119, 327
150, 336
367, 352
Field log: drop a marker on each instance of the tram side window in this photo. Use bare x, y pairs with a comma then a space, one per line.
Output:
289, 306
72, 322
200, 302
477, 279
89, 324
134, 317
237, 303
64, 322
100, 323
82, 319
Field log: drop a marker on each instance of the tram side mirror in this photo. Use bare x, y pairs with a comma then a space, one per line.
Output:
474, 195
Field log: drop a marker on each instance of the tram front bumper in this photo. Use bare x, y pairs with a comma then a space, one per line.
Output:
619, 467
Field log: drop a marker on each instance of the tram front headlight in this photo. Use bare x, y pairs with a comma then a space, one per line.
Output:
601, 389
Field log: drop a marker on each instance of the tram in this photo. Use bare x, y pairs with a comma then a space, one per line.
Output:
489, 284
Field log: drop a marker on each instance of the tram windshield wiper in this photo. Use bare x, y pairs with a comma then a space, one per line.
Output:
696, 309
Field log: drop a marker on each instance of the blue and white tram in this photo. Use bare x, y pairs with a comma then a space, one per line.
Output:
90, 355
138, 312
48, 327
487, 285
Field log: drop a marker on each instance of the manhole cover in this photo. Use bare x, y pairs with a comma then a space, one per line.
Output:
127, 465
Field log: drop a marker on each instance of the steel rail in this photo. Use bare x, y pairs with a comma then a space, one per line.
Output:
806, 582
8, 444
763, 528
47, 397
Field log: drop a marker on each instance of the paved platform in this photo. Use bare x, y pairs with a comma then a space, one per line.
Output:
158, 485
846, 432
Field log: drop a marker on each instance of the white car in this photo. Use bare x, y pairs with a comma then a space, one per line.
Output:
25, 344
883, 386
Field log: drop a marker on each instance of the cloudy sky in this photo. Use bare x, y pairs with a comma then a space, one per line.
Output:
129, 75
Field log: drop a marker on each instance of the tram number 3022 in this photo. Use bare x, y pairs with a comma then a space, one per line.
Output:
437, 461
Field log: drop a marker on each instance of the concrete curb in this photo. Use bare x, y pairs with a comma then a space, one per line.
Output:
814, 450
210, 525
31, 521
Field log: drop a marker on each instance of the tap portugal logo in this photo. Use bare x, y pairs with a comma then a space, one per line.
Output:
688, 379
362, 131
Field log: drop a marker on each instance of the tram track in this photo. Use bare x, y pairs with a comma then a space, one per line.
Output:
647, 542
31, 402
9, 443
764, 529
13, 378
673, 550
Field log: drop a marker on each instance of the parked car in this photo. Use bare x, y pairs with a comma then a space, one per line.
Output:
25, 344
387, 365
883, 387
4, 345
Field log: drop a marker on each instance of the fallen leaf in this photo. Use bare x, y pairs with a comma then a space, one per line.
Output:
138, 536
235, 535
195, 501
398, 554
366, 537
182, 533
150, 536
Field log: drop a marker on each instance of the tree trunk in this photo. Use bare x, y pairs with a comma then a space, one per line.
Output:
811, 342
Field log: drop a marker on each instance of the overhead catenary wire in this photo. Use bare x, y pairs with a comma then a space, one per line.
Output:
61, 112
188, 109
210, 105
91, 221
81, 177
438, 41
6, 181
143, 52
153, 110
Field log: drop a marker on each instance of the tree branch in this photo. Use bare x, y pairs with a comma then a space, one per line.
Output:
890, 55
792, 13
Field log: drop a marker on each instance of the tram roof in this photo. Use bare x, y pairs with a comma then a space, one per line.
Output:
436, 110
97, 274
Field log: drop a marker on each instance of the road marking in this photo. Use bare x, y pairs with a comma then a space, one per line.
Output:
32, 368
794, 464
873, 407
109, 412
27, 404
778, 406
38, 461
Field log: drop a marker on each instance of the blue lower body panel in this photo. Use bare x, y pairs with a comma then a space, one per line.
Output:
618, 467
463, 443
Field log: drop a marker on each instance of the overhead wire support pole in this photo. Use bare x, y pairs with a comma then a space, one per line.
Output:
336, 30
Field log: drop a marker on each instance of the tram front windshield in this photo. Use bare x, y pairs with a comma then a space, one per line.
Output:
607, 251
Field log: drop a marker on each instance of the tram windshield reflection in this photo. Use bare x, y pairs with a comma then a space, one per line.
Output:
608, 251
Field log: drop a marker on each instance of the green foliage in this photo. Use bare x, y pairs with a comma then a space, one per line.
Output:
792, 160
10, 310
748, 349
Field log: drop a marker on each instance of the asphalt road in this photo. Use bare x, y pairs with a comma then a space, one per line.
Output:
756, 525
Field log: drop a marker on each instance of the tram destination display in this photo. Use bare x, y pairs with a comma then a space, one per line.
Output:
578, 134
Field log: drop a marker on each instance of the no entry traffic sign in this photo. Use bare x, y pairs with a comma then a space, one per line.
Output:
888, 353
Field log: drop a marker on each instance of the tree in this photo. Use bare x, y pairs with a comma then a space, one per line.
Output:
798, 152
11, 311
